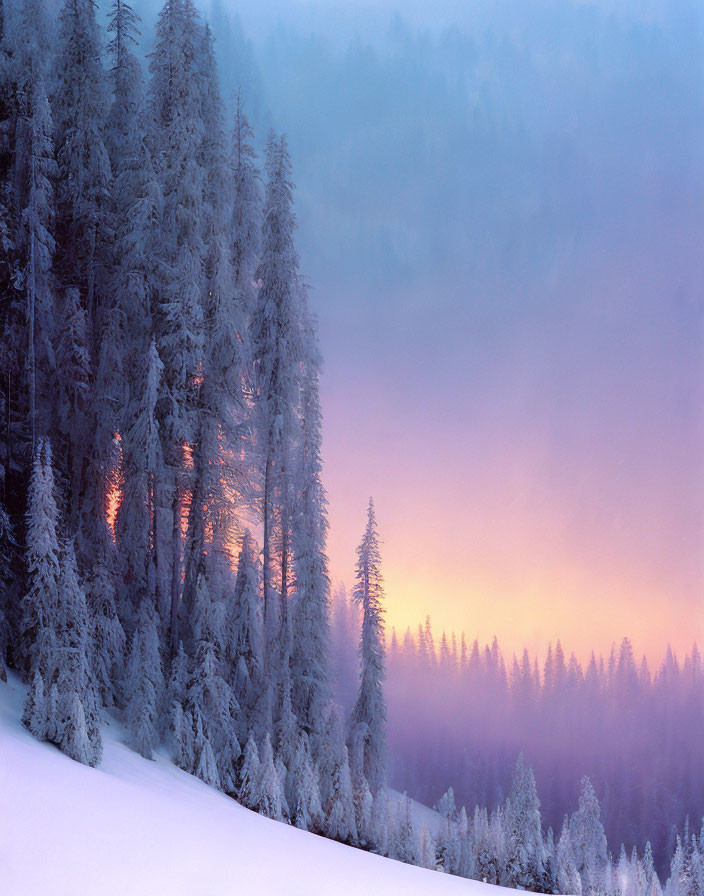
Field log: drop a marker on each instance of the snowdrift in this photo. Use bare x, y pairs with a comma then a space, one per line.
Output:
147, 828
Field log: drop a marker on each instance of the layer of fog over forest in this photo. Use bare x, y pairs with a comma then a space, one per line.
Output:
461, 712
379, 109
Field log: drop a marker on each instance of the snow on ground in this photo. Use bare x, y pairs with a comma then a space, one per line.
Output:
147, 828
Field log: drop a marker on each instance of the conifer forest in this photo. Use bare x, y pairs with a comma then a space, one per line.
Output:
164, 519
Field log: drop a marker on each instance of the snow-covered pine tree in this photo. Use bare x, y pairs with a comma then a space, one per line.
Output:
550, 875
75, 740
209, 698
145, 682
205, 766
53, 726
137, 209
275, 337
311, 616
40, 602
183, 738
248, 793
286, 729
380, 823
340, 823
175, 140
245, 227
82, 260
483, 852
220, 471
446, 806
448, 846
230, 225
428, 858
525, 860
588, 839
567, 876
408, 847
244, 657
75, 724
35, 707
35, 171
79, 106
123, 115
270, 795
651, 883
677, 867
108, 634
331, 753
73, 395
367, 724
363, 814
466, 866
176, 688
304, 802
138, 537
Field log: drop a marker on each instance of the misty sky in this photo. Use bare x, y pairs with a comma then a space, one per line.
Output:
501, 216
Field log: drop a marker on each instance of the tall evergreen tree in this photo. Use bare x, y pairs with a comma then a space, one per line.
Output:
304, 801
311, 618
74, 394
269, 788
567, 878
525, 859
176, 137
79, 107
588, 838
145, 682
35, 171
73, 722
209, 698
245, 227
217, 472
275, 335
123, 29
40, 603
244, 640
137, 532
84, 235
367, 724
340, 822
248, 793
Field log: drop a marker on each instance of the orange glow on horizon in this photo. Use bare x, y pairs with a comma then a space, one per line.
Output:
537, 616
499, 548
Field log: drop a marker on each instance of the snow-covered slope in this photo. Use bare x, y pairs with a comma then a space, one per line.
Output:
137, 827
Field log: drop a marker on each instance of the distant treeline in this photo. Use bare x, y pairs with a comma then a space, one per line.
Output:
635, 731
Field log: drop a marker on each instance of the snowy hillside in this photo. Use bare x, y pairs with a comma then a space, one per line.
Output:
139, 827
